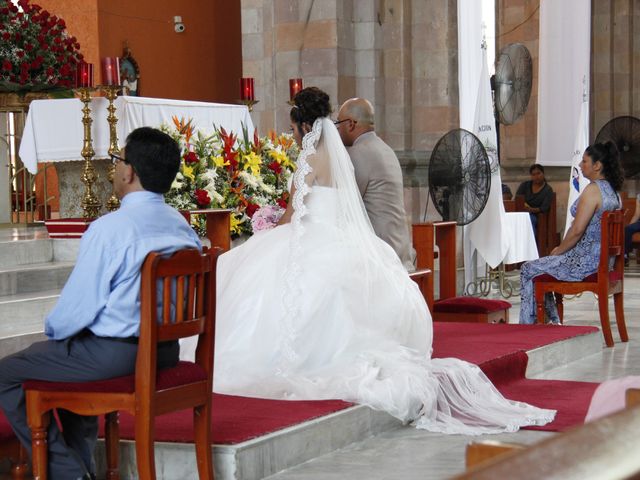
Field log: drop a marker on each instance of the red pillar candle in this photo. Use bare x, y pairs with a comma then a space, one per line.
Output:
110, 71
295, 85
84, 75
246, 89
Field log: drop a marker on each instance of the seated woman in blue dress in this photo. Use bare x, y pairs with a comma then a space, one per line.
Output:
578, 254
537, 193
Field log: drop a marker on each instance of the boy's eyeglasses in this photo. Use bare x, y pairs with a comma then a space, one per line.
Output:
116, 158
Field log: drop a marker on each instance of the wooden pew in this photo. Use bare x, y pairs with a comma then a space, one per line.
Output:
603, 449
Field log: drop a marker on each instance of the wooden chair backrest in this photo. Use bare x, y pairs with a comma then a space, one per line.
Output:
629, 208
185, 282
611, 243
604, 449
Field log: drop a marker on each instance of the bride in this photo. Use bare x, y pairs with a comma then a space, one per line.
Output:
321, 308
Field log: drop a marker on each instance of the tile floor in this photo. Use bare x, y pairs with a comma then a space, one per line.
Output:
409, 454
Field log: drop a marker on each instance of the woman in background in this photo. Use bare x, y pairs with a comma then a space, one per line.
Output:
537, 193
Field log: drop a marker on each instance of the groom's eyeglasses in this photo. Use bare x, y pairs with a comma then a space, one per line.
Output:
338, 122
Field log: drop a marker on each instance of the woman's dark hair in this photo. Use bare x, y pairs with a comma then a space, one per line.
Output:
310, 103
607, 155
154, 156
536, 166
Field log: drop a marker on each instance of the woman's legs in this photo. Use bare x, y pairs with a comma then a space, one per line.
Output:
528, 272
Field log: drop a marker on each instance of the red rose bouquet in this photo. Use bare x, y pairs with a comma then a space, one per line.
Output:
35, 51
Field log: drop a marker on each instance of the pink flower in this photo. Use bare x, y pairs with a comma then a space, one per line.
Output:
266, 218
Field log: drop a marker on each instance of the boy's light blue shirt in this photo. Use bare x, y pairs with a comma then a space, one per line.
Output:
103, 291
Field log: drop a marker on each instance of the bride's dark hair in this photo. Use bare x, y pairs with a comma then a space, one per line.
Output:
310, 103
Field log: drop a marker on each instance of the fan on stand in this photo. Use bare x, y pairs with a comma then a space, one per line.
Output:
625, 133
512, 83
459, 177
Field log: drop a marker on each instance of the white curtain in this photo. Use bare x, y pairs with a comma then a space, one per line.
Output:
565, 32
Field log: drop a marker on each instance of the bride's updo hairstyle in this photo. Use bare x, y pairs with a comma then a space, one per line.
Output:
310, 103
607, 154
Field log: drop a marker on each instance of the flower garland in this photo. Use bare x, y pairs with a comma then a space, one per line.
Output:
219, 170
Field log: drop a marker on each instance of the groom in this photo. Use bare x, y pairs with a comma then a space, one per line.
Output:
378, 176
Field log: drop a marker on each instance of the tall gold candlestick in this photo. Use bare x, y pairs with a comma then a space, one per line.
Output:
90, 204
111, 92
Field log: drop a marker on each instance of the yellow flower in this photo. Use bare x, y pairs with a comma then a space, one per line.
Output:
281, 158
252, 162
235, 224
188, 172
219, 161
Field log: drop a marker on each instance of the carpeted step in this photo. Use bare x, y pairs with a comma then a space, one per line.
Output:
236, 419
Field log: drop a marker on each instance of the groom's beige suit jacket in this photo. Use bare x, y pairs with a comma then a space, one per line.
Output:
379, 179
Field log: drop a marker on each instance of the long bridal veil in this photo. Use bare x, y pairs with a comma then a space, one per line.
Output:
321, 308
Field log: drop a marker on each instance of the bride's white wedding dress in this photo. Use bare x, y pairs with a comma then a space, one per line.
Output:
320, 308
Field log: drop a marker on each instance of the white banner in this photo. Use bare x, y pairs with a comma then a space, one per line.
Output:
564, 57
577, 181
486, 232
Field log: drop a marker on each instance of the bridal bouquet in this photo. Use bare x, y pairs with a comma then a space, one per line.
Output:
35, 51
221, 170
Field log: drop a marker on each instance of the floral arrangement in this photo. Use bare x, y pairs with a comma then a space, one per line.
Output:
35, 51
220, 170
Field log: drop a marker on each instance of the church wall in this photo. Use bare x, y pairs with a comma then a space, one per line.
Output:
401, 55
82, 22
203, 63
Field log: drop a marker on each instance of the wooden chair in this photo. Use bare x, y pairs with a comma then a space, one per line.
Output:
11, 449
602, 283
148, 392
629, 207
449, 307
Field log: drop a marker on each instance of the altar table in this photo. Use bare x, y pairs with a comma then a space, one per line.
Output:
520, 238
54, 132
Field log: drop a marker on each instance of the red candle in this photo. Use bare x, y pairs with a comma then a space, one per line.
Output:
84, 75
295, 85
110, 71
246, 89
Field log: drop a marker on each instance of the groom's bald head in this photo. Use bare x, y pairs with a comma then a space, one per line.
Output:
356, 116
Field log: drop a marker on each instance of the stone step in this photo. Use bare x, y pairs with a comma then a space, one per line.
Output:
36, 277
25, 252
24, 313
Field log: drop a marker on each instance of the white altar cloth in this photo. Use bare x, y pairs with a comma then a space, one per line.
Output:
520, 238
53, 129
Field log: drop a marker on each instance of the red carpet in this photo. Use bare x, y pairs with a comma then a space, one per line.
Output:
498, 349
500, 353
